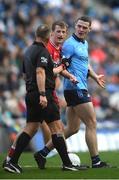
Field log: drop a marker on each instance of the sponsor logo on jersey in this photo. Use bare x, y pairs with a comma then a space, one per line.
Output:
43, 59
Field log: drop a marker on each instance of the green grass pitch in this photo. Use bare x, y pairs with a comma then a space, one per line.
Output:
53, 168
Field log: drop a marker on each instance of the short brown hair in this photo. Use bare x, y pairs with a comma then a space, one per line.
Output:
60, 23
84, 18
43, 31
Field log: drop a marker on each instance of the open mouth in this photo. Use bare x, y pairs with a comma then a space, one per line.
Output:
81, 34
60, 38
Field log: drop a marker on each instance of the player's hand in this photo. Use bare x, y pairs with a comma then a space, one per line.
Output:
101, 80
73, 79
43, 101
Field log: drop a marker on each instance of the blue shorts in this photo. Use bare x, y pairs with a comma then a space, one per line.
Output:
75, 97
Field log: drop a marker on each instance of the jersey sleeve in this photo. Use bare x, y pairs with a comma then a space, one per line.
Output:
42, 59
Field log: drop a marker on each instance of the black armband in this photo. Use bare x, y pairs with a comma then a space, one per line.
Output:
42, 93
66, 62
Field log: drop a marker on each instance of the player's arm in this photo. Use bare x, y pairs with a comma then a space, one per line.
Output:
41, 77
61, 69
58, 68
42, 63
98, 78
68, 75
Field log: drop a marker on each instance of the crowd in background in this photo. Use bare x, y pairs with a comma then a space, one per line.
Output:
18, 21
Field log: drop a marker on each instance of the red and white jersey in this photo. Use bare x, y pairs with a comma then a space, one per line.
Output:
55, 55
54, 51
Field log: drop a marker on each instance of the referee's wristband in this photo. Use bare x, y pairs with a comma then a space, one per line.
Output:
42, 93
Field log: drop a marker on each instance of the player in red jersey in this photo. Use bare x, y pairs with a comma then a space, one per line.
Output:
58, 35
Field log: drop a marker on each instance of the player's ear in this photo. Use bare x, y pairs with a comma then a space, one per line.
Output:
90, 28
75, 24
51, 34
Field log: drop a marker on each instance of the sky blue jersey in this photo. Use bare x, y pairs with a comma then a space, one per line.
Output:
76, 52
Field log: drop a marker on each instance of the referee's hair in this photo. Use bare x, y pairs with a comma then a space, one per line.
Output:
43, 31
85, 19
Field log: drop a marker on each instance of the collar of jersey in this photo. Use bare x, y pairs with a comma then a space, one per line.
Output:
57, 47
78, 39
38, 43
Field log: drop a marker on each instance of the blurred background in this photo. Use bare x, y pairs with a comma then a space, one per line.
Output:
18, 21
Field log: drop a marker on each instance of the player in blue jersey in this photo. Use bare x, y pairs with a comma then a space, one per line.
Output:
80, 107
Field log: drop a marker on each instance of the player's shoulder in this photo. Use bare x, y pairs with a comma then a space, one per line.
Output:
86, 43
68, 42
69, 39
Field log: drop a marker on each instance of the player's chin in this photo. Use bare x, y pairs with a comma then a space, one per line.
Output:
60, 40
81, 36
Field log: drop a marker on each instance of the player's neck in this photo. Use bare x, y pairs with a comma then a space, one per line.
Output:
78, 38
39, 40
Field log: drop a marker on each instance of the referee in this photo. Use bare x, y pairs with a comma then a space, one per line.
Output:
40, 102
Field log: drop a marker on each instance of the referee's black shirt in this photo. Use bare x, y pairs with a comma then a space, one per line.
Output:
35, 56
